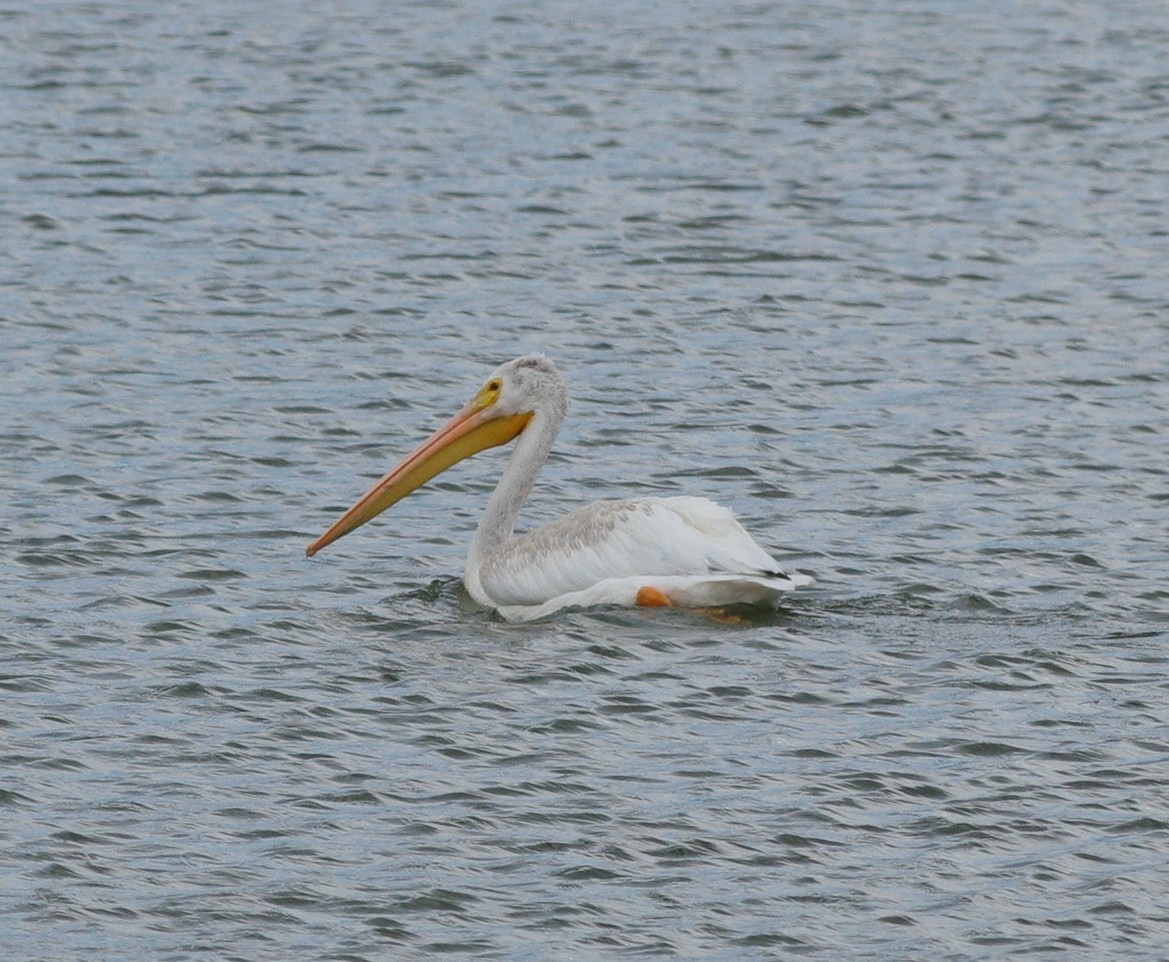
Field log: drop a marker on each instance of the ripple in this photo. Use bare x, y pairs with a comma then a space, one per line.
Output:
820, 270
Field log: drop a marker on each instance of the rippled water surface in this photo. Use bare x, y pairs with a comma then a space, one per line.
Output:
888, 279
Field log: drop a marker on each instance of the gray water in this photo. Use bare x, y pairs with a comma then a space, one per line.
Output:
887, 279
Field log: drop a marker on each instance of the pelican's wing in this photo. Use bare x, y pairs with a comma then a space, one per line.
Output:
690, 549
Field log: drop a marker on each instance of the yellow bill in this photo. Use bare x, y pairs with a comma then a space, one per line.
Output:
475, 428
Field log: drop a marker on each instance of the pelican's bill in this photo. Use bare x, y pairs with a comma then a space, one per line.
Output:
471, 430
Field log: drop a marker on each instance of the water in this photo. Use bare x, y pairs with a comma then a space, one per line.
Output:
887, 279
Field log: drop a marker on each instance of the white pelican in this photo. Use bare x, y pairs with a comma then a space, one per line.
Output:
644, 551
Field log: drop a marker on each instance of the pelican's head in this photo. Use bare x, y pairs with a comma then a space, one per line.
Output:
513, 394
528, 384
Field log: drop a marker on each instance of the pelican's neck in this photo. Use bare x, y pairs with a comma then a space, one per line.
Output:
497, 525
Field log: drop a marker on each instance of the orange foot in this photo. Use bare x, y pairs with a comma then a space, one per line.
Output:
651, 598
723, 616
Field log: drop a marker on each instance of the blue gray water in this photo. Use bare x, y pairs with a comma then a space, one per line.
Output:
888, 279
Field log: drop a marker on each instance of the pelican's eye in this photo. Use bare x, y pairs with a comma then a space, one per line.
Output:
489, 393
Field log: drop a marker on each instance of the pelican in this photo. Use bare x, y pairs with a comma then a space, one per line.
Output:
682, 551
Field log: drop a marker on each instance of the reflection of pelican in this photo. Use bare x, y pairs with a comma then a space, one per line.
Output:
647, 551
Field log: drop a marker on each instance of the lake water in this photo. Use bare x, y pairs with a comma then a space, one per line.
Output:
887, 279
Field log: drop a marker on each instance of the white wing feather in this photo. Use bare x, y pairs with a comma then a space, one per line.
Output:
690, 549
